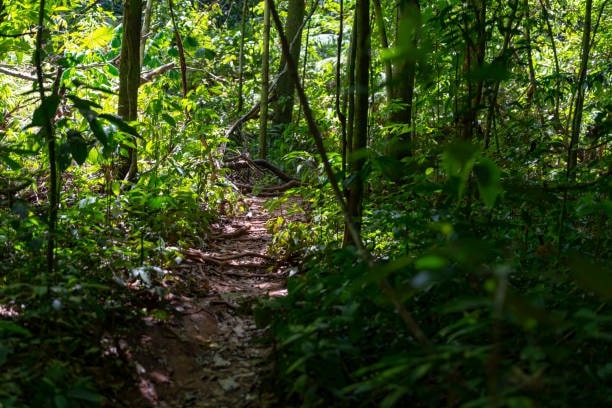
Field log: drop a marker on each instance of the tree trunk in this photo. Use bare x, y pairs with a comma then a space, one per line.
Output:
407, 37
572, 156
360, 122
265, 80
286, 89
129, 80
475, 46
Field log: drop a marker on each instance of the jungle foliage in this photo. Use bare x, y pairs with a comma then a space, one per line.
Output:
454, 164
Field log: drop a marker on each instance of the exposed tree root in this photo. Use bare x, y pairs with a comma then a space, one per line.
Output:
240, 231
221, 260
267, 191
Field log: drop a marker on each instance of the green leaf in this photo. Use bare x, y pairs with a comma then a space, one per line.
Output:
458, 159
83, 104
12, 164
430, 262
169, 119
97, 130
489, 186
191, 41
121, 124
98, 38
78, 146
66, 75
116, 187
11, 327
63, 157
382, 271
496, 72
60, 401
46, 111
111, 69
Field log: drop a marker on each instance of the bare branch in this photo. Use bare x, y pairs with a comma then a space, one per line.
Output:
154, 73
17, 74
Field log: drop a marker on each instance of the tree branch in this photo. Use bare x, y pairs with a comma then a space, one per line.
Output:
18, 74
154, 73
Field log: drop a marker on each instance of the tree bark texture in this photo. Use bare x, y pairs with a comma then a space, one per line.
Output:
286, 89
265, 81
360, 122
572, 158
404, 72
475, 38
129, 81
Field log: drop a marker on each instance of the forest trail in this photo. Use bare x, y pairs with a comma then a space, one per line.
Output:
206, 353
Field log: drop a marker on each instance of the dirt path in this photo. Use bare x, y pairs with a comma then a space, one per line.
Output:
205, 354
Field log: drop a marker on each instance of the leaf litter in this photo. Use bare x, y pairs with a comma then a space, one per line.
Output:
205, 352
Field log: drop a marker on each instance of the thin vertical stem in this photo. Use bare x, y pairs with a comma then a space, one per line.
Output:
49, 133
265, 80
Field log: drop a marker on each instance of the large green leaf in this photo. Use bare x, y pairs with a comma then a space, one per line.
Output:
46, 111
121, 124
85, 109
6, 326
78, 147
488, 175
458, 159
99, 37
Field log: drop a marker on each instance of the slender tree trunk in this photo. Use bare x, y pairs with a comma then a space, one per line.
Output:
129, 81
285, 89
384, 42
553, 46
572, 157
340, 111
491, 109
475, 47
146, 26
350, 98
360, 121
404, 74
265, 80
181, 50
240, 106
48, 131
